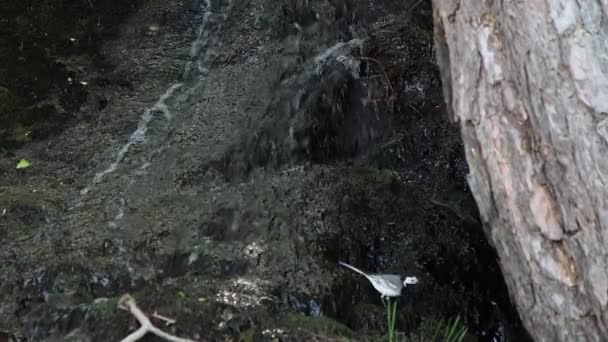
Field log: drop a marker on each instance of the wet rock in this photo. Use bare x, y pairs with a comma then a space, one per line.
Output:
323, 114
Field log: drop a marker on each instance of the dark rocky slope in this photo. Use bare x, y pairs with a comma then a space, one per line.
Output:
221, 181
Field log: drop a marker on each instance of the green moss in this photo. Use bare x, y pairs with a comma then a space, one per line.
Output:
101, 309
12, 197
382, 179
322, 325
385, 178
9, 102
22, 134
430, 328
24, 210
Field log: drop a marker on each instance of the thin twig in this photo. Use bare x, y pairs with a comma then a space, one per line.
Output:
127, 303
413, 6
167, 320
390, 86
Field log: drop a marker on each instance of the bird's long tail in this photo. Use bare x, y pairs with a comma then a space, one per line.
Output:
354, 269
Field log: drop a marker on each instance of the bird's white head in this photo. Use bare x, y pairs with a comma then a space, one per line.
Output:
410, 281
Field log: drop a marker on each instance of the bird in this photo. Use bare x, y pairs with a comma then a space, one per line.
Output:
389, 285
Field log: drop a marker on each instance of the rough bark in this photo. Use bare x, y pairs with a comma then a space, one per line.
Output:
528, 83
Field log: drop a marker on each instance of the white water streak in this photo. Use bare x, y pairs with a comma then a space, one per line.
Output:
139, 135
119, 215
201, 35
339, 50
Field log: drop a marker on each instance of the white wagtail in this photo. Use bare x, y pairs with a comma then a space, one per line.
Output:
389, 285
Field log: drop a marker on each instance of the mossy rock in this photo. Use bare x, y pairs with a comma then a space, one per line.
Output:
9, 102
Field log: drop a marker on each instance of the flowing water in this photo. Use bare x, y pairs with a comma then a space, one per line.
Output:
255, 149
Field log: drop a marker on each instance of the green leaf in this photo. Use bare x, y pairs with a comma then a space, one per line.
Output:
23, 164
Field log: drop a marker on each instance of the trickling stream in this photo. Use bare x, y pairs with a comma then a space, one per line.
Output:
193, 77
245, 148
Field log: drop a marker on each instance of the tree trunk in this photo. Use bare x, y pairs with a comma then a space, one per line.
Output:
527, 80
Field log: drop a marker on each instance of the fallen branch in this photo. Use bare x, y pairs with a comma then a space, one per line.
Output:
167, 320
127, 303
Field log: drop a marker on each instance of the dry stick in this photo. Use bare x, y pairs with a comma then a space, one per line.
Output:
127, 303
167, 320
